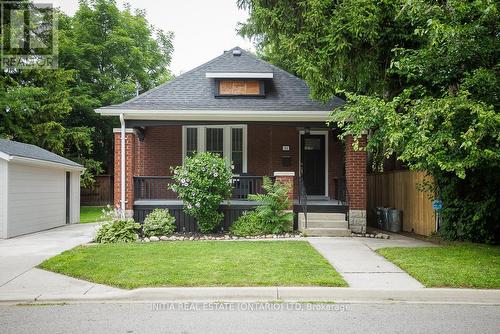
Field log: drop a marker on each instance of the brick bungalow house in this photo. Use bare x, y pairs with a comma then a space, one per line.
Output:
261, 120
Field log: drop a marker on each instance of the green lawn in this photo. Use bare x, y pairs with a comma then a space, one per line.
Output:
198, 263
456, 266
91, 214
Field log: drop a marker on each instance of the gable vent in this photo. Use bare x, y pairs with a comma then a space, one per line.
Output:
236, 53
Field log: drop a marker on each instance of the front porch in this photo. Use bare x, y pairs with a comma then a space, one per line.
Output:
152, 192
324, 175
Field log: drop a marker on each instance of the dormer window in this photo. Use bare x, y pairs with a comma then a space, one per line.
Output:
240, 84
239, 88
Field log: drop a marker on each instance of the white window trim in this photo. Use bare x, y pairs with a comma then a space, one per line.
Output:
227, 141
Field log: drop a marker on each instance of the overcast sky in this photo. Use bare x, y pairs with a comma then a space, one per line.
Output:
203, 28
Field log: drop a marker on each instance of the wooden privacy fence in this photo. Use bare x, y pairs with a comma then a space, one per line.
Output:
398, 189
101, 194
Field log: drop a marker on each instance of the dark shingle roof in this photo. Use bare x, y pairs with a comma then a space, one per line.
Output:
17, 149
193, 91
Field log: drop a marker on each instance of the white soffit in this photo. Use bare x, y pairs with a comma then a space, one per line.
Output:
240, 75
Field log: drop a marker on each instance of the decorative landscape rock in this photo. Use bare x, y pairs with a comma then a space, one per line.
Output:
184, 236
370, 235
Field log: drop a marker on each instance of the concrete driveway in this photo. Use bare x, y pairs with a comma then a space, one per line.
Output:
19, 256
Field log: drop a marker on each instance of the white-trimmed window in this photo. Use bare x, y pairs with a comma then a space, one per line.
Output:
229, 141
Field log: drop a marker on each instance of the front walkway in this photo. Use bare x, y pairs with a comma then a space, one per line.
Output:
19, 256
361, 267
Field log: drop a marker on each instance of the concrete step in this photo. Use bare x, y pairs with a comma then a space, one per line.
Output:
326, 223
326, 232
324, 216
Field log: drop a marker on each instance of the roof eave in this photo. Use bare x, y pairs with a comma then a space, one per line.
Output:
240, 75
44, 163
220, 115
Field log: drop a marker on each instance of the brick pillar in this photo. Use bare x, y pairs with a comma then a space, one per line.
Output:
129, 168
287, 178
355, 168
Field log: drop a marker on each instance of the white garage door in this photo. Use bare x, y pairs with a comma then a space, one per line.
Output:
36, 198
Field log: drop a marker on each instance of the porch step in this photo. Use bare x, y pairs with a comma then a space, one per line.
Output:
324, 216
327, 232
324, 225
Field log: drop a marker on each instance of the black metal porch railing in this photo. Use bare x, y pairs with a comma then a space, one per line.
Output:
341, 193
246, 185
303, 199
157, 187
154, 188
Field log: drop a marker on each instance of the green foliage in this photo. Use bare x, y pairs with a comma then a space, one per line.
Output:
121, 230
91, 214
249, 224
198, 263
203, 183
457, 265
331, 44
104, 54
270, 216
158, 223
471, 207
420, 77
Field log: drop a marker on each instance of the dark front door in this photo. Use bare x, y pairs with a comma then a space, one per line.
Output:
313, 163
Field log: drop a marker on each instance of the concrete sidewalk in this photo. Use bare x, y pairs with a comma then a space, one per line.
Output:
361, 267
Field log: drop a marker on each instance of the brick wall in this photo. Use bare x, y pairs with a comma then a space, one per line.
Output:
335, 163
356, 174
162, 148
265, 150
130, 141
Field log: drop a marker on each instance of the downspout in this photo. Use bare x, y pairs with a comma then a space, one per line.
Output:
122, 166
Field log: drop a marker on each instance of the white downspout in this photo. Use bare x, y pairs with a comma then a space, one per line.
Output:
122, 166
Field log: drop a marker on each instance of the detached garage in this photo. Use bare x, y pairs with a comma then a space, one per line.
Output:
38, 189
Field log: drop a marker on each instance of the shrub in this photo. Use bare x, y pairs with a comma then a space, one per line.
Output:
203, 183
248, 224
159, 222
270, 216
120, 230
470, 206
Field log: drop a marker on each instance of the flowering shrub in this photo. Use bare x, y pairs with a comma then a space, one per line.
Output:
111, 213
203, 183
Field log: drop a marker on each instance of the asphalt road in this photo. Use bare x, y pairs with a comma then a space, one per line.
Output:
249, 318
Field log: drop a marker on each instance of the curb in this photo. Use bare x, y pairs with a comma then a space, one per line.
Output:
267, 294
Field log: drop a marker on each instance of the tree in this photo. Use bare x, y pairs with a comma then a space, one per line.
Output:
105, 56
420, 76
115, 53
